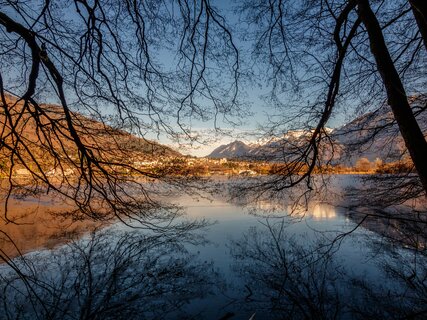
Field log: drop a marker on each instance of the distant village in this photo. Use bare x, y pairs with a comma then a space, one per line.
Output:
192, 166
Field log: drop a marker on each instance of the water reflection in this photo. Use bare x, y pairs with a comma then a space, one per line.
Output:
407, 299
37, 223
297, 203
316, 211
315, 258
313, 209
287, 277
400, 228
399, 219
322, 211
108, 275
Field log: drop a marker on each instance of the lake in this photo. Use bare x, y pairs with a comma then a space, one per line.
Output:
229, 258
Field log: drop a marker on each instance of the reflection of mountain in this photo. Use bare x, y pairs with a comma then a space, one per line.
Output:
319, 206
323, 211
398, 227
39, 223
372, 135
344, 196
315, 210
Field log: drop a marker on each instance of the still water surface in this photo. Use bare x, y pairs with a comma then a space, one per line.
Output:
320, 224
266, 260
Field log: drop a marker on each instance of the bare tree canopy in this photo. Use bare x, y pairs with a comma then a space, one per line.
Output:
149, 68
88, 88
160, 66
324, 59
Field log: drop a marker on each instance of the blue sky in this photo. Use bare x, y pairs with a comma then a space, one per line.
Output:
252, 94
251, 98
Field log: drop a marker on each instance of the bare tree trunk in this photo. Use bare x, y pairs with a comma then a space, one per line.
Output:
397, 98
419, 8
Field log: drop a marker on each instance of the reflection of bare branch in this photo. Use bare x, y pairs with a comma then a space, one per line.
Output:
406, 302
107, 276
290, 278
285, 278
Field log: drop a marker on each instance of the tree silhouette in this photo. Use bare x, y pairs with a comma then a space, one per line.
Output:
289, 278
113, 72
327, 58
143, 68
154, 64
109, 275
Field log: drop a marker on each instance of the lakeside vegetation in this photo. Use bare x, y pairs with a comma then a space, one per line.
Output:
189, 166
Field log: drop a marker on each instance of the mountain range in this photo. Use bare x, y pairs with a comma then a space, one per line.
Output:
372, 135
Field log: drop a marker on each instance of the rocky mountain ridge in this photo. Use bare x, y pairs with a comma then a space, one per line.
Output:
372, 135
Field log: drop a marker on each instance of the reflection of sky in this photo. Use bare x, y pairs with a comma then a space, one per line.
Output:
234, 223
